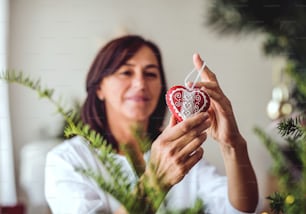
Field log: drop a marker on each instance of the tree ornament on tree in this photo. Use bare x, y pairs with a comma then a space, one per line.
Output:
280, 105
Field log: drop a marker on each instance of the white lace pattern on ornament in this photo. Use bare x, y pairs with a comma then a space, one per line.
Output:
187, 101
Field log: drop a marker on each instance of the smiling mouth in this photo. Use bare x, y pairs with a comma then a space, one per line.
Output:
138, 99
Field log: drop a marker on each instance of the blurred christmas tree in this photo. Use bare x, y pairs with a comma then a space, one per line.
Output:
284, 25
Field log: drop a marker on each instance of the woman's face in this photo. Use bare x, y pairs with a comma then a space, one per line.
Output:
133, 91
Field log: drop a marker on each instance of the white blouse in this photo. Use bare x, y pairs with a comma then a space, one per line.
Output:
69, 191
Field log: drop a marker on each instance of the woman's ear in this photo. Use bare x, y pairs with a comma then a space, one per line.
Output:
99, 93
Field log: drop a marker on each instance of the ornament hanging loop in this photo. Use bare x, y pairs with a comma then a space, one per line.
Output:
196, 79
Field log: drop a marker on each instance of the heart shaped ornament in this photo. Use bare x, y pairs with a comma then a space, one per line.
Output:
183, 102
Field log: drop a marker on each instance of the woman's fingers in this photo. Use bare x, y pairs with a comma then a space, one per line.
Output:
184, 167
209, 79
180, 168
207, 74
188, 150
212, 89
194, 158
197, 133
178, 148
184, 128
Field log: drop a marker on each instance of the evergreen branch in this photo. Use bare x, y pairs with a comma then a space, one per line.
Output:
228, 17
291, 127
277, 202
280, 164
120, 188
149, 193
104, 152
72, 129
20, 78
271, 145
295, 153
144, 141
121, 193
302, 183
197, 208
133, 160
236, 16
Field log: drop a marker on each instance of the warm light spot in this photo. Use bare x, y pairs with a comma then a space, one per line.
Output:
289, 199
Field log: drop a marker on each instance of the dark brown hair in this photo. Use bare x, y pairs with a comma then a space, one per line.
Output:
113, 55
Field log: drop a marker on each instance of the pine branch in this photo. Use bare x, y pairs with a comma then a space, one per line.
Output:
133, 159
19, 77
281, 168
236, 16
198, 208
144, 141
302, 182
130, 153
277, 202
123, 193
293, 187
120, 186
271, 145
291, 127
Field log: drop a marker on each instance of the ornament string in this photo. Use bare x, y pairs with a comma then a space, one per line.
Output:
196, 79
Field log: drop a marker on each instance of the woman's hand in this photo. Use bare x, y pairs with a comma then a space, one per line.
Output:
223, 124
177, 150
242, 184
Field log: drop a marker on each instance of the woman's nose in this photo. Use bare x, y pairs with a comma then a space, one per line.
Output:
139, 81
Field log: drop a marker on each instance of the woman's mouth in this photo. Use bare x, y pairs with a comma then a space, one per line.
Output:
138, 98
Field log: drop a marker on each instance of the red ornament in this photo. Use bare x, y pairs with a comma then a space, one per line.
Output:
183, 102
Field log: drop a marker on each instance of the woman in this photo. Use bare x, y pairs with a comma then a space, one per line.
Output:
126, 86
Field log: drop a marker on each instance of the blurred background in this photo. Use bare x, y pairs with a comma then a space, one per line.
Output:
56, 41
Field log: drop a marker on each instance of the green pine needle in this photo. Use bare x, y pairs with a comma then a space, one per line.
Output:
291, 127
277, 202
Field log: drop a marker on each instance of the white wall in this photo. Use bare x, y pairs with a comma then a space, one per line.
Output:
56, 40
8, 195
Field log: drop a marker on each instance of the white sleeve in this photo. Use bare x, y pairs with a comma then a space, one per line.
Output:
213, 190
68, 191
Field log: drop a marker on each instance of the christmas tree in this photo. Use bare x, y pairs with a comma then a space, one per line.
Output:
283, 24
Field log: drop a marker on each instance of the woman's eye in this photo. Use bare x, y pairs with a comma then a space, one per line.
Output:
151, 74
125, 73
